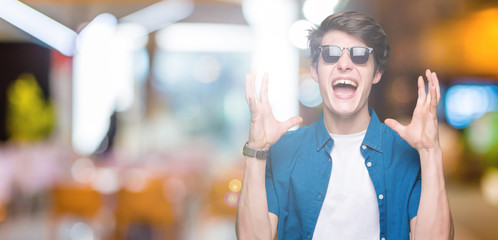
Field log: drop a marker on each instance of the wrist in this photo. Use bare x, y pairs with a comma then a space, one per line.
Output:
249, 151
258, 145
435, 151
431, 159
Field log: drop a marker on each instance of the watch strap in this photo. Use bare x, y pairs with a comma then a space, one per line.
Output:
249, 152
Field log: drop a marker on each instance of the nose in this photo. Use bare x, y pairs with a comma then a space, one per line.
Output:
344, 63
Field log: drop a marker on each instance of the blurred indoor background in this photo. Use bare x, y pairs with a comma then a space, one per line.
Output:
125, 119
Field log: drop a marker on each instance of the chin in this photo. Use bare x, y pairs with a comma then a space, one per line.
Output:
343, 112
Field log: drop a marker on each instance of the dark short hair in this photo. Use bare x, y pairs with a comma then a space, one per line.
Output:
356, 24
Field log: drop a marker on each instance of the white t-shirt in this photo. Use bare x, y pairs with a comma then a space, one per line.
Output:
350, 209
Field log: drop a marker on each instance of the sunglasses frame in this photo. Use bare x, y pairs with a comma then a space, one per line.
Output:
370, 50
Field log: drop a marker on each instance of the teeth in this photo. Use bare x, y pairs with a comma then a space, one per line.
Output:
343, 81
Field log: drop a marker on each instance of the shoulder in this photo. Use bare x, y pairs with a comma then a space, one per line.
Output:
292, 139
292, 144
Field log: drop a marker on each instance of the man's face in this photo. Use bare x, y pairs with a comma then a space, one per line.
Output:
344, 85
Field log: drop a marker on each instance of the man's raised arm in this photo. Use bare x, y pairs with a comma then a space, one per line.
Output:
253, 219
433, 220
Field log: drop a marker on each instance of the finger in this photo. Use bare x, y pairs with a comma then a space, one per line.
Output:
430, 85
428, 75
421, 90
291, 123
428, 97
436, 83
253, 73
249, 85
396, 126
253, 81
250, 97
433, 100
264, 89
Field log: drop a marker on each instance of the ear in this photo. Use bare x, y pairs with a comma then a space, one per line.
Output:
314, 73
377, 77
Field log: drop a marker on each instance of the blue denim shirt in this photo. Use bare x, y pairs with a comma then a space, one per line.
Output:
299, 166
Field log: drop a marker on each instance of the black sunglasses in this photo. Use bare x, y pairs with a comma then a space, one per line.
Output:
332, 53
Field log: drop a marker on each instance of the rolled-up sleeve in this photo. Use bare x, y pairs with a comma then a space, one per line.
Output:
414, 200
271, 194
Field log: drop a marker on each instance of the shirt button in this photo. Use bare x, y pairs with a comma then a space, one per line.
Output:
383, 238
364, 146
369, 164
381, 196
320, 196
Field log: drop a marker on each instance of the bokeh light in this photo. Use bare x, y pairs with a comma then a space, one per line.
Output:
135, 179
106, 181
206, 69
232, 199
83, 170
298, 33
81, 231
482, 136
489, 186
235, 185
465, 103
309, 93
317, 10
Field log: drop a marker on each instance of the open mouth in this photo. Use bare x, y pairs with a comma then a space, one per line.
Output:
344, 88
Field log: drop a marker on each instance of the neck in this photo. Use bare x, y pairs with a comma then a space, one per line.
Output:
340, 124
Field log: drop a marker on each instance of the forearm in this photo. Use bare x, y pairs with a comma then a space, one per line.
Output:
433, 216
252, 214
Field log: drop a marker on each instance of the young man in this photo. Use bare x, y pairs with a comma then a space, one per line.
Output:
347, 176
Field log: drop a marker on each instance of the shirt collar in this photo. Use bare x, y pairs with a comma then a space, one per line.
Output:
321, 133
373, 136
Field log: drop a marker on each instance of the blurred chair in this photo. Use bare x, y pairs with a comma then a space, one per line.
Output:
144, 214
74, 202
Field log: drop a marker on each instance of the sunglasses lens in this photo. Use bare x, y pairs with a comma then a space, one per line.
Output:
331, 54
359, 55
